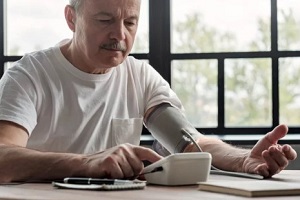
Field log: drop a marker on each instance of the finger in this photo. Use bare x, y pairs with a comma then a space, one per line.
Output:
269, 139
136, 166
129, 163
117, 173
262, 170
112, 168
278, 156
127, 167
272, 165
144, 153
289, 152
277, 133
131, 157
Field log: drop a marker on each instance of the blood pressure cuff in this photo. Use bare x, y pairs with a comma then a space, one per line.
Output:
165, 123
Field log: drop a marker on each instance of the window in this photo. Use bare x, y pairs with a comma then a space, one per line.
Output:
234, 64
33, 25
219, 26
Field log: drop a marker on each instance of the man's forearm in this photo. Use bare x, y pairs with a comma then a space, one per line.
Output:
224, 156
21, 164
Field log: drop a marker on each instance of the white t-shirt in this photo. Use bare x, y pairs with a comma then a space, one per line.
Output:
67, 110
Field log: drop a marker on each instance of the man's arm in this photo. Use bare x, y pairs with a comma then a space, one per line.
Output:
18, 163
224, 156
266, 158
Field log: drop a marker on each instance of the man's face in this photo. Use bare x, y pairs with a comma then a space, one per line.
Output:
105, 31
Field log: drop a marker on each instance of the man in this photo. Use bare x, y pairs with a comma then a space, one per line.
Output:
77, 109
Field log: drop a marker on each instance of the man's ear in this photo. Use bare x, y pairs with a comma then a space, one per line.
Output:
70, 16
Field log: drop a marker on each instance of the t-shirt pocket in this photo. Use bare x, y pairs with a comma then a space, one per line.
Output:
126, 131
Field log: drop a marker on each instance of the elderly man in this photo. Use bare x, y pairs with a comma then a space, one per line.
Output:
77, 109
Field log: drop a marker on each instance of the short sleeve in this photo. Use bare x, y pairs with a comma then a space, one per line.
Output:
16, 102
158, 90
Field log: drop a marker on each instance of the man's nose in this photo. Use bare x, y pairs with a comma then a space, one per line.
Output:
118, 31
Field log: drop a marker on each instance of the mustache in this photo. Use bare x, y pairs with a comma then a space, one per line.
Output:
115, 46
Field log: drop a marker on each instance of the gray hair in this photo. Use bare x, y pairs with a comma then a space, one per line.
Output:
76, 4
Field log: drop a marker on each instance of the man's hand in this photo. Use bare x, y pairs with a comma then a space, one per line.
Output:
267, 157
123, 161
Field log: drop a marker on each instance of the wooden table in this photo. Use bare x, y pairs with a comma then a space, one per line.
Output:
45, 191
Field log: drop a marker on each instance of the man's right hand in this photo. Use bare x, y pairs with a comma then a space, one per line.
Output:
123, 161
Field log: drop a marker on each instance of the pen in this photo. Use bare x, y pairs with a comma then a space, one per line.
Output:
89, 181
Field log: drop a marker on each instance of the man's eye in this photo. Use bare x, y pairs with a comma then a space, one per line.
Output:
130, 23
104, 20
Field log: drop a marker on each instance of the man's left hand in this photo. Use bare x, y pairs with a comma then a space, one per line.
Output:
267, 157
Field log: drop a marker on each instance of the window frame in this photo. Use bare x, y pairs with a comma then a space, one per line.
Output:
160, 57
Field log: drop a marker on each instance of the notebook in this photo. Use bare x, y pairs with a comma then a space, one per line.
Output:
133, 186
252, 188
